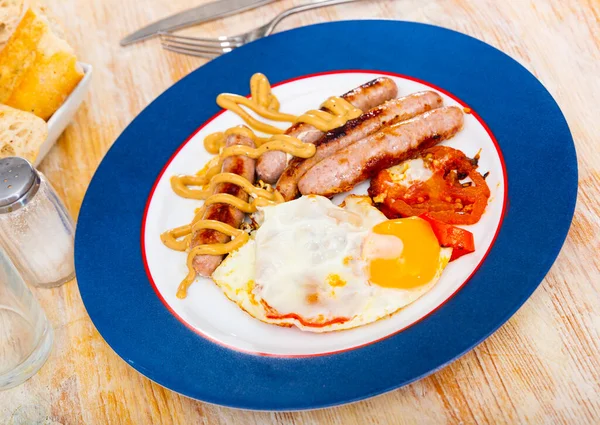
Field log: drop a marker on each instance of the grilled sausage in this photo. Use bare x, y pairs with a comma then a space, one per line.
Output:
390, 146
390, 112
372, 93
271, 164
243, 166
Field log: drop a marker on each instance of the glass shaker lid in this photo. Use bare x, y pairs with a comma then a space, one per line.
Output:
17, 177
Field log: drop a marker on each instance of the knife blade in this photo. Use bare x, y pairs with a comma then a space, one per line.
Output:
195, 15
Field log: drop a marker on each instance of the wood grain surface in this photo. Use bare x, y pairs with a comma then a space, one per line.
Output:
541, 367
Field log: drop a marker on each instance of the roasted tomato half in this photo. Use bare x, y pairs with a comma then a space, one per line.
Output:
441, 181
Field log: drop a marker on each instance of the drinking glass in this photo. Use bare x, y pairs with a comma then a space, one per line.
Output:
25, 334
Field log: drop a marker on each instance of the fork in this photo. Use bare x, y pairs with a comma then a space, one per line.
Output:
212, 47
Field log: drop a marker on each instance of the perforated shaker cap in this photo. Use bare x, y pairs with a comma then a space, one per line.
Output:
17, 179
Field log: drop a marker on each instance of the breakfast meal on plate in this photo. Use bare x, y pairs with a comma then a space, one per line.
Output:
269, 235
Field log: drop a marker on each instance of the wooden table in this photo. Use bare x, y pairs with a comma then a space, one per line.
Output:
542, 366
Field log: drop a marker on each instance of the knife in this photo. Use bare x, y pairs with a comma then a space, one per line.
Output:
195, 15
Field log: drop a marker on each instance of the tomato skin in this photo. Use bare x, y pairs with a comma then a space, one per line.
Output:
460, 240
443, 195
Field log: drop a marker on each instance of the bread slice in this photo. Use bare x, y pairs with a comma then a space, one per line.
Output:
55, 25
21, 133
10, 15
38, 69
19, 54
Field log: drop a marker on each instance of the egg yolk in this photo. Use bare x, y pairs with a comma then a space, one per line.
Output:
418, 259
335, 280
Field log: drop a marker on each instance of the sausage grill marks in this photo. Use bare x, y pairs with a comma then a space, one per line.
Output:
388, 113
357, 162
270, 165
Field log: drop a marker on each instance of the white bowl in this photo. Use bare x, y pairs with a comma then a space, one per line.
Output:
63, 115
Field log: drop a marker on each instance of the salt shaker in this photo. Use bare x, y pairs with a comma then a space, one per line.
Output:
35, 228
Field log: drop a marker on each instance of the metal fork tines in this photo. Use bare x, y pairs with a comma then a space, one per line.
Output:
206, 47
212, 47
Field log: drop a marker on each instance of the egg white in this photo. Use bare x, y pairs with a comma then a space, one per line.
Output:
410, 172
298, 244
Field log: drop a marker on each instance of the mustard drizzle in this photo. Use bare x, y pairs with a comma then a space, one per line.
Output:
264, 103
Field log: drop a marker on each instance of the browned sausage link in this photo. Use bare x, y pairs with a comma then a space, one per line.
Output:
372, 93
390, 146
391, 112
271, 164
243, 166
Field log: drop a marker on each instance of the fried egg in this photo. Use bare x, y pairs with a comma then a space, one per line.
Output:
323, 267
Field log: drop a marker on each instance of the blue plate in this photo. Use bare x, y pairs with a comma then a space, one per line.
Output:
527, 123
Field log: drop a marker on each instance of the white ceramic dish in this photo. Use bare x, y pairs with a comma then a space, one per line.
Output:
63, 116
